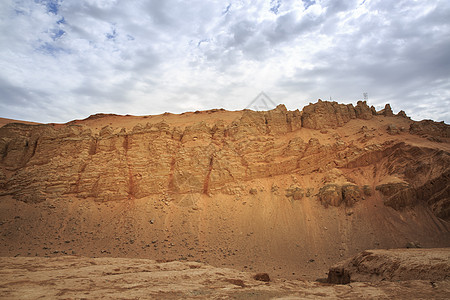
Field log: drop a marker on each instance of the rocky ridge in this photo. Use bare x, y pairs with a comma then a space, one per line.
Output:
39, 162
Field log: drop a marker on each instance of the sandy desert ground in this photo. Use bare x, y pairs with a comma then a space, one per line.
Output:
70, 277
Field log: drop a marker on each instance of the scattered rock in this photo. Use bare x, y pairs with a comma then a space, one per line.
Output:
238, 282
392, 129
262, 277
294, 193
338, 275
413, 245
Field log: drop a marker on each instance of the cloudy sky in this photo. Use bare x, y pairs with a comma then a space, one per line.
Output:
67, 59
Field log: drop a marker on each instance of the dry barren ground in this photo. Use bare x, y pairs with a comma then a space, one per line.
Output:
71, 277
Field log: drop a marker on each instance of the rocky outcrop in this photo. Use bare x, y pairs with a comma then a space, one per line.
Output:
324, 114
403, 115
49, 161
430, 128
425, 177
403, 197
436, 192
330, 194
363, 111
387, 111
276, 121
295, 193
39, 162
393, 265
390, 189
335, 195
351, 194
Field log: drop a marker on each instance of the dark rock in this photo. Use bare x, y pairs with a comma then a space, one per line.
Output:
350, 194
262, 277
338, 275
367, 190
253, 191
330, 194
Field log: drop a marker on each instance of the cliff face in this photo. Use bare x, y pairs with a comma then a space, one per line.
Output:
39, 162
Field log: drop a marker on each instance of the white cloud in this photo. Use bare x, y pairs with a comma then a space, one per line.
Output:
66, 59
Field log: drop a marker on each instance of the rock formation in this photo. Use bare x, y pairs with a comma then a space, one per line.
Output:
393, 265
39, 162
324, 114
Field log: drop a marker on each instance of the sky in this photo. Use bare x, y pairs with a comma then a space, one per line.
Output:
62, 60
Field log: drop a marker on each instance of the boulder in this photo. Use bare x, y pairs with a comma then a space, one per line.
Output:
330, 194
294, 193
351, 194
392, 129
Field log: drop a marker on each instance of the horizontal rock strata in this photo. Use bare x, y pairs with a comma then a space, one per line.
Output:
38, 162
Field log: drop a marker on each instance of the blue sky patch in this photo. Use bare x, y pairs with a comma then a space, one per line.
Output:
308, 3
57, 33
274, 6
49, 49
51, 5
112, 35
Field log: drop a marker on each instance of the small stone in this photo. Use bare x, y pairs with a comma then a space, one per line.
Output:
262, 277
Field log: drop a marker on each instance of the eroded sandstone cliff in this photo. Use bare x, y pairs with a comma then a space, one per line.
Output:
39, 162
